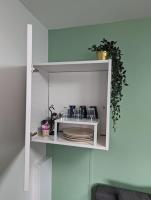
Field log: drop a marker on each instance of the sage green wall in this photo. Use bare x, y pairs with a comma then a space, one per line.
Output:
128, 162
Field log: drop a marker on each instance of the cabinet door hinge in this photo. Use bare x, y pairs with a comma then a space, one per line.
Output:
35, 70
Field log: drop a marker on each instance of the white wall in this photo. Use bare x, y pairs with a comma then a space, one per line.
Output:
13, 20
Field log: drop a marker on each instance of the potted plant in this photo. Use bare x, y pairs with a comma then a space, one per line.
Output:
118, 75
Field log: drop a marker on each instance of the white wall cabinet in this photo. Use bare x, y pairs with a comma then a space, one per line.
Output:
62, 84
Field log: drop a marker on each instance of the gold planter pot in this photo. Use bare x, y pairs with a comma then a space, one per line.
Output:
102, 55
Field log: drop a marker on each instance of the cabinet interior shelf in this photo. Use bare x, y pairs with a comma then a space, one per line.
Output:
74, 66
62, 141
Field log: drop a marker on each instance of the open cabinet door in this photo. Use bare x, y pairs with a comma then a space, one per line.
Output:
28, 107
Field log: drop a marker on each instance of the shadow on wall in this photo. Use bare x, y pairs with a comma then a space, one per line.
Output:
113, 183
12, 115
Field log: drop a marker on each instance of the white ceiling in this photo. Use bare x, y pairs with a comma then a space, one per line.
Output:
55, 14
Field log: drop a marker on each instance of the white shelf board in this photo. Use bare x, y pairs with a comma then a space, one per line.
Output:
73, 66
78, 121
41, 139
62, 141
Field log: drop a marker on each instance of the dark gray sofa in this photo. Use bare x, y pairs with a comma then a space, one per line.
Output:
104, 192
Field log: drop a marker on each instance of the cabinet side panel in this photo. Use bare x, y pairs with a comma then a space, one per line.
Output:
108, 105
28, 106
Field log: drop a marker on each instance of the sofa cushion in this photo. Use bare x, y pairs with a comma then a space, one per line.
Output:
105, 193
105, 196
132, 195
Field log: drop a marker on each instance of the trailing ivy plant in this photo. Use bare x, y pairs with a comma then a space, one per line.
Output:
118, 75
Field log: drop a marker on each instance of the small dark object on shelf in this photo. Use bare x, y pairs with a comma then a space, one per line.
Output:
83, 112
52, 118
71, 111
33, 133
96, 112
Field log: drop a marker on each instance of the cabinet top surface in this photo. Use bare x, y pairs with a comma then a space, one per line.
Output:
74, 66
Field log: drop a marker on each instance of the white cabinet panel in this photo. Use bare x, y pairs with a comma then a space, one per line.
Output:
28, 106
